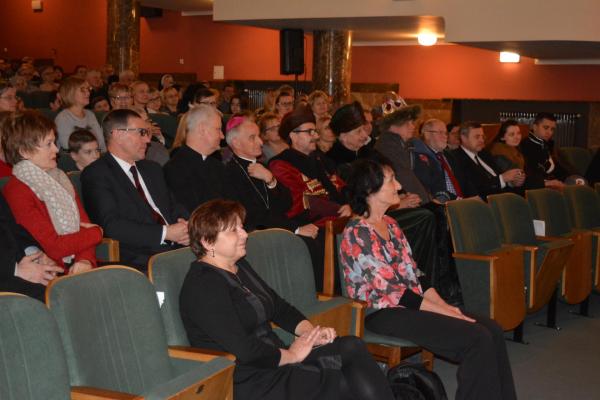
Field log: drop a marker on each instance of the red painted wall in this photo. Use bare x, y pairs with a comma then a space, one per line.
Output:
246, 53
77, 30
71, 32
466, 72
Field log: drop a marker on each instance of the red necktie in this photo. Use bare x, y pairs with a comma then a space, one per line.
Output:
155, 216
448, 172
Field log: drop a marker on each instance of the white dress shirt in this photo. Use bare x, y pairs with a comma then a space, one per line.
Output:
125, 166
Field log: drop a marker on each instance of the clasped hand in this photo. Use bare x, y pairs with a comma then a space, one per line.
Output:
304, 343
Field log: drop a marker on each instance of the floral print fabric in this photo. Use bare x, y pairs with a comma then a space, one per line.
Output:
376, 270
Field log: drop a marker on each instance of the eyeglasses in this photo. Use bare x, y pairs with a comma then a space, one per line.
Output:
272, 127
142, 131
122, 97
310, 131
210, 103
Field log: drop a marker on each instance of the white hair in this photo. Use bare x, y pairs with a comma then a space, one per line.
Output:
201, 113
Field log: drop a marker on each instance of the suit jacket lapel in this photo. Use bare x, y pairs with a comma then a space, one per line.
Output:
124, 181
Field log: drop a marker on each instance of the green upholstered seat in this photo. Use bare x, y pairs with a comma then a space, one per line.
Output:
3, 181
167, 272
100, 116
114, 338
283, 261
550, 206
75, 177
32, 361
491, 275
544, 260
597, 187
577, 159
49, 113
584, 209
168, 126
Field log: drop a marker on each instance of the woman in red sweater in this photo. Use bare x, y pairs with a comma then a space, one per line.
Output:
42, 197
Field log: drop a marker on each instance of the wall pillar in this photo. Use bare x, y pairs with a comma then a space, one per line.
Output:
123, 35
332, 64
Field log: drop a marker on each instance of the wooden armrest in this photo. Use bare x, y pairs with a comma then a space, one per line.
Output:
549, 238
474, 257
359, 304
113, 249
197, 354
530, 248
90, 393
324, 297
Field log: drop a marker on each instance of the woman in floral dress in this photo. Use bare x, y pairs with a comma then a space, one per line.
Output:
379, 269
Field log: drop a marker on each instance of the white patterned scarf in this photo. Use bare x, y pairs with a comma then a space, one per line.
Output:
54, 188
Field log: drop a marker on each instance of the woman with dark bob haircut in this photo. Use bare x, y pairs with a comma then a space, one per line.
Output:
379, 269
226, 306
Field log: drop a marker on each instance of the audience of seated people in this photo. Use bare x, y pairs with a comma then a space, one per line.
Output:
42, 197
46, 231
481, 174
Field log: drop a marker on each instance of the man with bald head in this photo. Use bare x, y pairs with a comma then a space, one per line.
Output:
436, 169
195, 172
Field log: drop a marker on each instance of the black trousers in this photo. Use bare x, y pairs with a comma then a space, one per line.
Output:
484, 371
18, 285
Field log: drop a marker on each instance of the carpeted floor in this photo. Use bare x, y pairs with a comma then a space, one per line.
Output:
554, 365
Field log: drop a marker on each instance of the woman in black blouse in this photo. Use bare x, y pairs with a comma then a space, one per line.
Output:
226, 306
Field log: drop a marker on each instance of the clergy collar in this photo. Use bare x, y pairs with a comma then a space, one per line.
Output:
250, 160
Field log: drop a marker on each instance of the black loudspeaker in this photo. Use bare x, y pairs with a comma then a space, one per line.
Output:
291, 51
151, 12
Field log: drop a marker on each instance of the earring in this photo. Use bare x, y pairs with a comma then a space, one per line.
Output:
213, 251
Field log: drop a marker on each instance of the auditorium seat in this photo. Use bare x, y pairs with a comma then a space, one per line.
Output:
544, 260
576, 159
283, 261
167, 271
387, 349
114, 338
33, 363
550, 206
168, 127
491, 274
584, 208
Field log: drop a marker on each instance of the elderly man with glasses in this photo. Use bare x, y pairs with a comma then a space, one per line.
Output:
128, 196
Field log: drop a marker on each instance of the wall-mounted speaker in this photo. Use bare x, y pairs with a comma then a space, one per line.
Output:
291, 51
151, 12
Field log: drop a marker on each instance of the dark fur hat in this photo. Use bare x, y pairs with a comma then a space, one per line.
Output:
300, 115
347, 118
400, 116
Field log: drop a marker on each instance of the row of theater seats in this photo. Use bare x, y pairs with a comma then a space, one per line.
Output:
116, 336
507, 272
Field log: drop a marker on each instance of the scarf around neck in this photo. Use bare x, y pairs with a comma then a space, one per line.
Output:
54, 188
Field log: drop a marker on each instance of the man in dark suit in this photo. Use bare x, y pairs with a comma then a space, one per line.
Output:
23, 267
434, 166
128, 196
481, 177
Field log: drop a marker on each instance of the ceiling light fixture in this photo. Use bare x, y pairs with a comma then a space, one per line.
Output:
427, 38
509, 57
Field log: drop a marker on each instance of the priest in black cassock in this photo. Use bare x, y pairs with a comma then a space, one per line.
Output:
195, 173
266, 201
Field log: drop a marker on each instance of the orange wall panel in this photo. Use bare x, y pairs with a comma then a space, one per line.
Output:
466, 72
246, 53
71, 32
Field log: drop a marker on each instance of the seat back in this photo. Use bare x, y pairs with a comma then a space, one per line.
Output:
550, 206
167, 271
283, 261
472, 226
75, 177
584, 206
32, 361
597, 187
577, 158
111, 328
513, 218
168, 127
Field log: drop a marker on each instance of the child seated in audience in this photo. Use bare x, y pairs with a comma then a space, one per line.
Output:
83, 149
